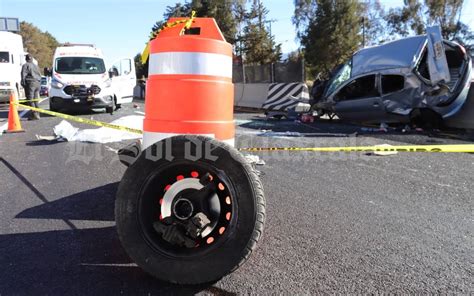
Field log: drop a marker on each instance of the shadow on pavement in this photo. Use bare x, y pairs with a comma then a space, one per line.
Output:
77, 261
43, 143
95, 205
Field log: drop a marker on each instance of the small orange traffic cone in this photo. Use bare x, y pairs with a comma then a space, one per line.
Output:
14, 125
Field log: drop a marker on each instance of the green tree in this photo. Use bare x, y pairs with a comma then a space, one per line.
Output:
416, 15
333, 33
304, 14
39, 44
141, 70
373, 23
240, 14
372, 19
259, 46
178, 10
247, 30
222, 10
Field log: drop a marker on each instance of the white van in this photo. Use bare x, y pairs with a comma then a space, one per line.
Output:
12, 57
80, 79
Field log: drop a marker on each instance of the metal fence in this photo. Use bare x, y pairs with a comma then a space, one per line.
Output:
284, 72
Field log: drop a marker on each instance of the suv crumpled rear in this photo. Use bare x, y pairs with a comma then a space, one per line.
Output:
399, 81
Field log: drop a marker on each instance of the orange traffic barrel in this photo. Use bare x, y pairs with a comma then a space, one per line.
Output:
189, 88
14, 125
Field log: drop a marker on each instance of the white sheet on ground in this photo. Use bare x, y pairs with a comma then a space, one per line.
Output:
3, 128
103, 134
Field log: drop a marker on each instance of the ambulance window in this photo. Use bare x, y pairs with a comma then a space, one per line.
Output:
4, 57
125, 66
116, 68
392, 83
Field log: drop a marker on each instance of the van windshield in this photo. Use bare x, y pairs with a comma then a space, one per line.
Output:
79, 65
4, 57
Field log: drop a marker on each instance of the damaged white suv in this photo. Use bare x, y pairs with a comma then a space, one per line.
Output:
400, 80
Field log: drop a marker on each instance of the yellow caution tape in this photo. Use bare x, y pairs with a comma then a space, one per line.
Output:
145, 53
460, 148
27, 101
84, 120
190, 21
452, 148
154, 34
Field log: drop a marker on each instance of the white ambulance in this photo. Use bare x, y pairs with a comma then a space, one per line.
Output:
80, 80
12, 57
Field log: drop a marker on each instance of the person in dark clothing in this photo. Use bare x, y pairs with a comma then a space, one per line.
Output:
142, 84
317, 91
31, 82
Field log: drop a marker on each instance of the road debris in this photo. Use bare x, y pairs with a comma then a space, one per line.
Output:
101, 135
383, 153
108, 148
254, 159
48, 138
266, 133
383, 127
307, 118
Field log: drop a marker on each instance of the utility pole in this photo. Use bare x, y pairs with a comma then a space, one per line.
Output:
270, 26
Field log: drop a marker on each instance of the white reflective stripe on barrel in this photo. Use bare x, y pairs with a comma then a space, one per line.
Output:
190, 63
150, 138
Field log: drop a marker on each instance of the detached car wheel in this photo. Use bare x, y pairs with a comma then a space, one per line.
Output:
190, 210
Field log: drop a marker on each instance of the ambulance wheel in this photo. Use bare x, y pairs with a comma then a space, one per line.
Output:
158, 198
110, 109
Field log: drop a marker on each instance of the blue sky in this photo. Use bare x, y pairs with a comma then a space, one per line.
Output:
120, 27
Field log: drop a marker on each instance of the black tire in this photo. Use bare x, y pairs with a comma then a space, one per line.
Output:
207, 263
111, 108
116, 106
426, 118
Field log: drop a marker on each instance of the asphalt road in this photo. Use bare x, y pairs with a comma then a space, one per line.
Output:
336, 223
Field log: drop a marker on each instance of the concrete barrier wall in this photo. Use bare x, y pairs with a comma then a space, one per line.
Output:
286, 96
250, 95
255, 95
274, 96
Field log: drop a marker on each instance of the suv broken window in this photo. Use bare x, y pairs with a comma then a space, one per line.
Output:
339, 78
363, 87
422, 67
392, 83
